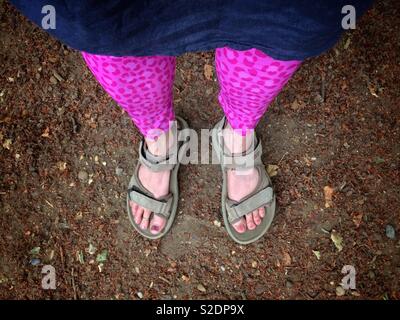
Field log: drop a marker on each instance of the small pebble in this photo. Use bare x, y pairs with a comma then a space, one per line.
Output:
83, 175
119, 171
140, 295
35, 262
217, 223
340, 291
201, 288
390, 232
53, 80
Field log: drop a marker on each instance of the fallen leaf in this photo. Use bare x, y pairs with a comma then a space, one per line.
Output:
35, 251
307, 161
295, 105
61, 165
272, 170
102, 257
340, 291
372, 91
46, 133
7, 144
317, 254
328, 193
208, 71
79, 257
337, 240
357, 218
185, 278
92, 249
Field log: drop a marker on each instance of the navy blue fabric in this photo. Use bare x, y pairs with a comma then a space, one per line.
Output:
285, 30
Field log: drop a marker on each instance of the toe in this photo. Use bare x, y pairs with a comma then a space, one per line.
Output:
240, 226
138, 215
134, 207
157, 224
146, 218
250, 222
261, 212
256, 217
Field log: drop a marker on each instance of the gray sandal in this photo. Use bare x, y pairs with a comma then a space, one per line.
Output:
165, 207
262, 196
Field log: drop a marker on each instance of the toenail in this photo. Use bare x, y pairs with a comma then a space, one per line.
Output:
155, 228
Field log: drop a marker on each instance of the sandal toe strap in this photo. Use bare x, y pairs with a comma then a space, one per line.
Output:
237, 210
157, 206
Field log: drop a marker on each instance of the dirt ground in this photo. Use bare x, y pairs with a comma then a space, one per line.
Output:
67, 151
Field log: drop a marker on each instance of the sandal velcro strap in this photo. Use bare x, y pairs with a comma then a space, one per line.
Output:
160, 206
247, 160
156, 163
237, 210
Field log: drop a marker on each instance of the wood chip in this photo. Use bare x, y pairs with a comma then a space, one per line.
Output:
328, 193
208, 71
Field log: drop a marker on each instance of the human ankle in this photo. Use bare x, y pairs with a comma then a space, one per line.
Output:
235, 141
161, 145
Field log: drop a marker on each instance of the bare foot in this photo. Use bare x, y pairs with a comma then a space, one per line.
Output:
156, 182
242, 184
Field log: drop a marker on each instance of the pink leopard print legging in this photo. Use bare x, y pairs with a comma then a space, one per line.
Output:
249, 81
